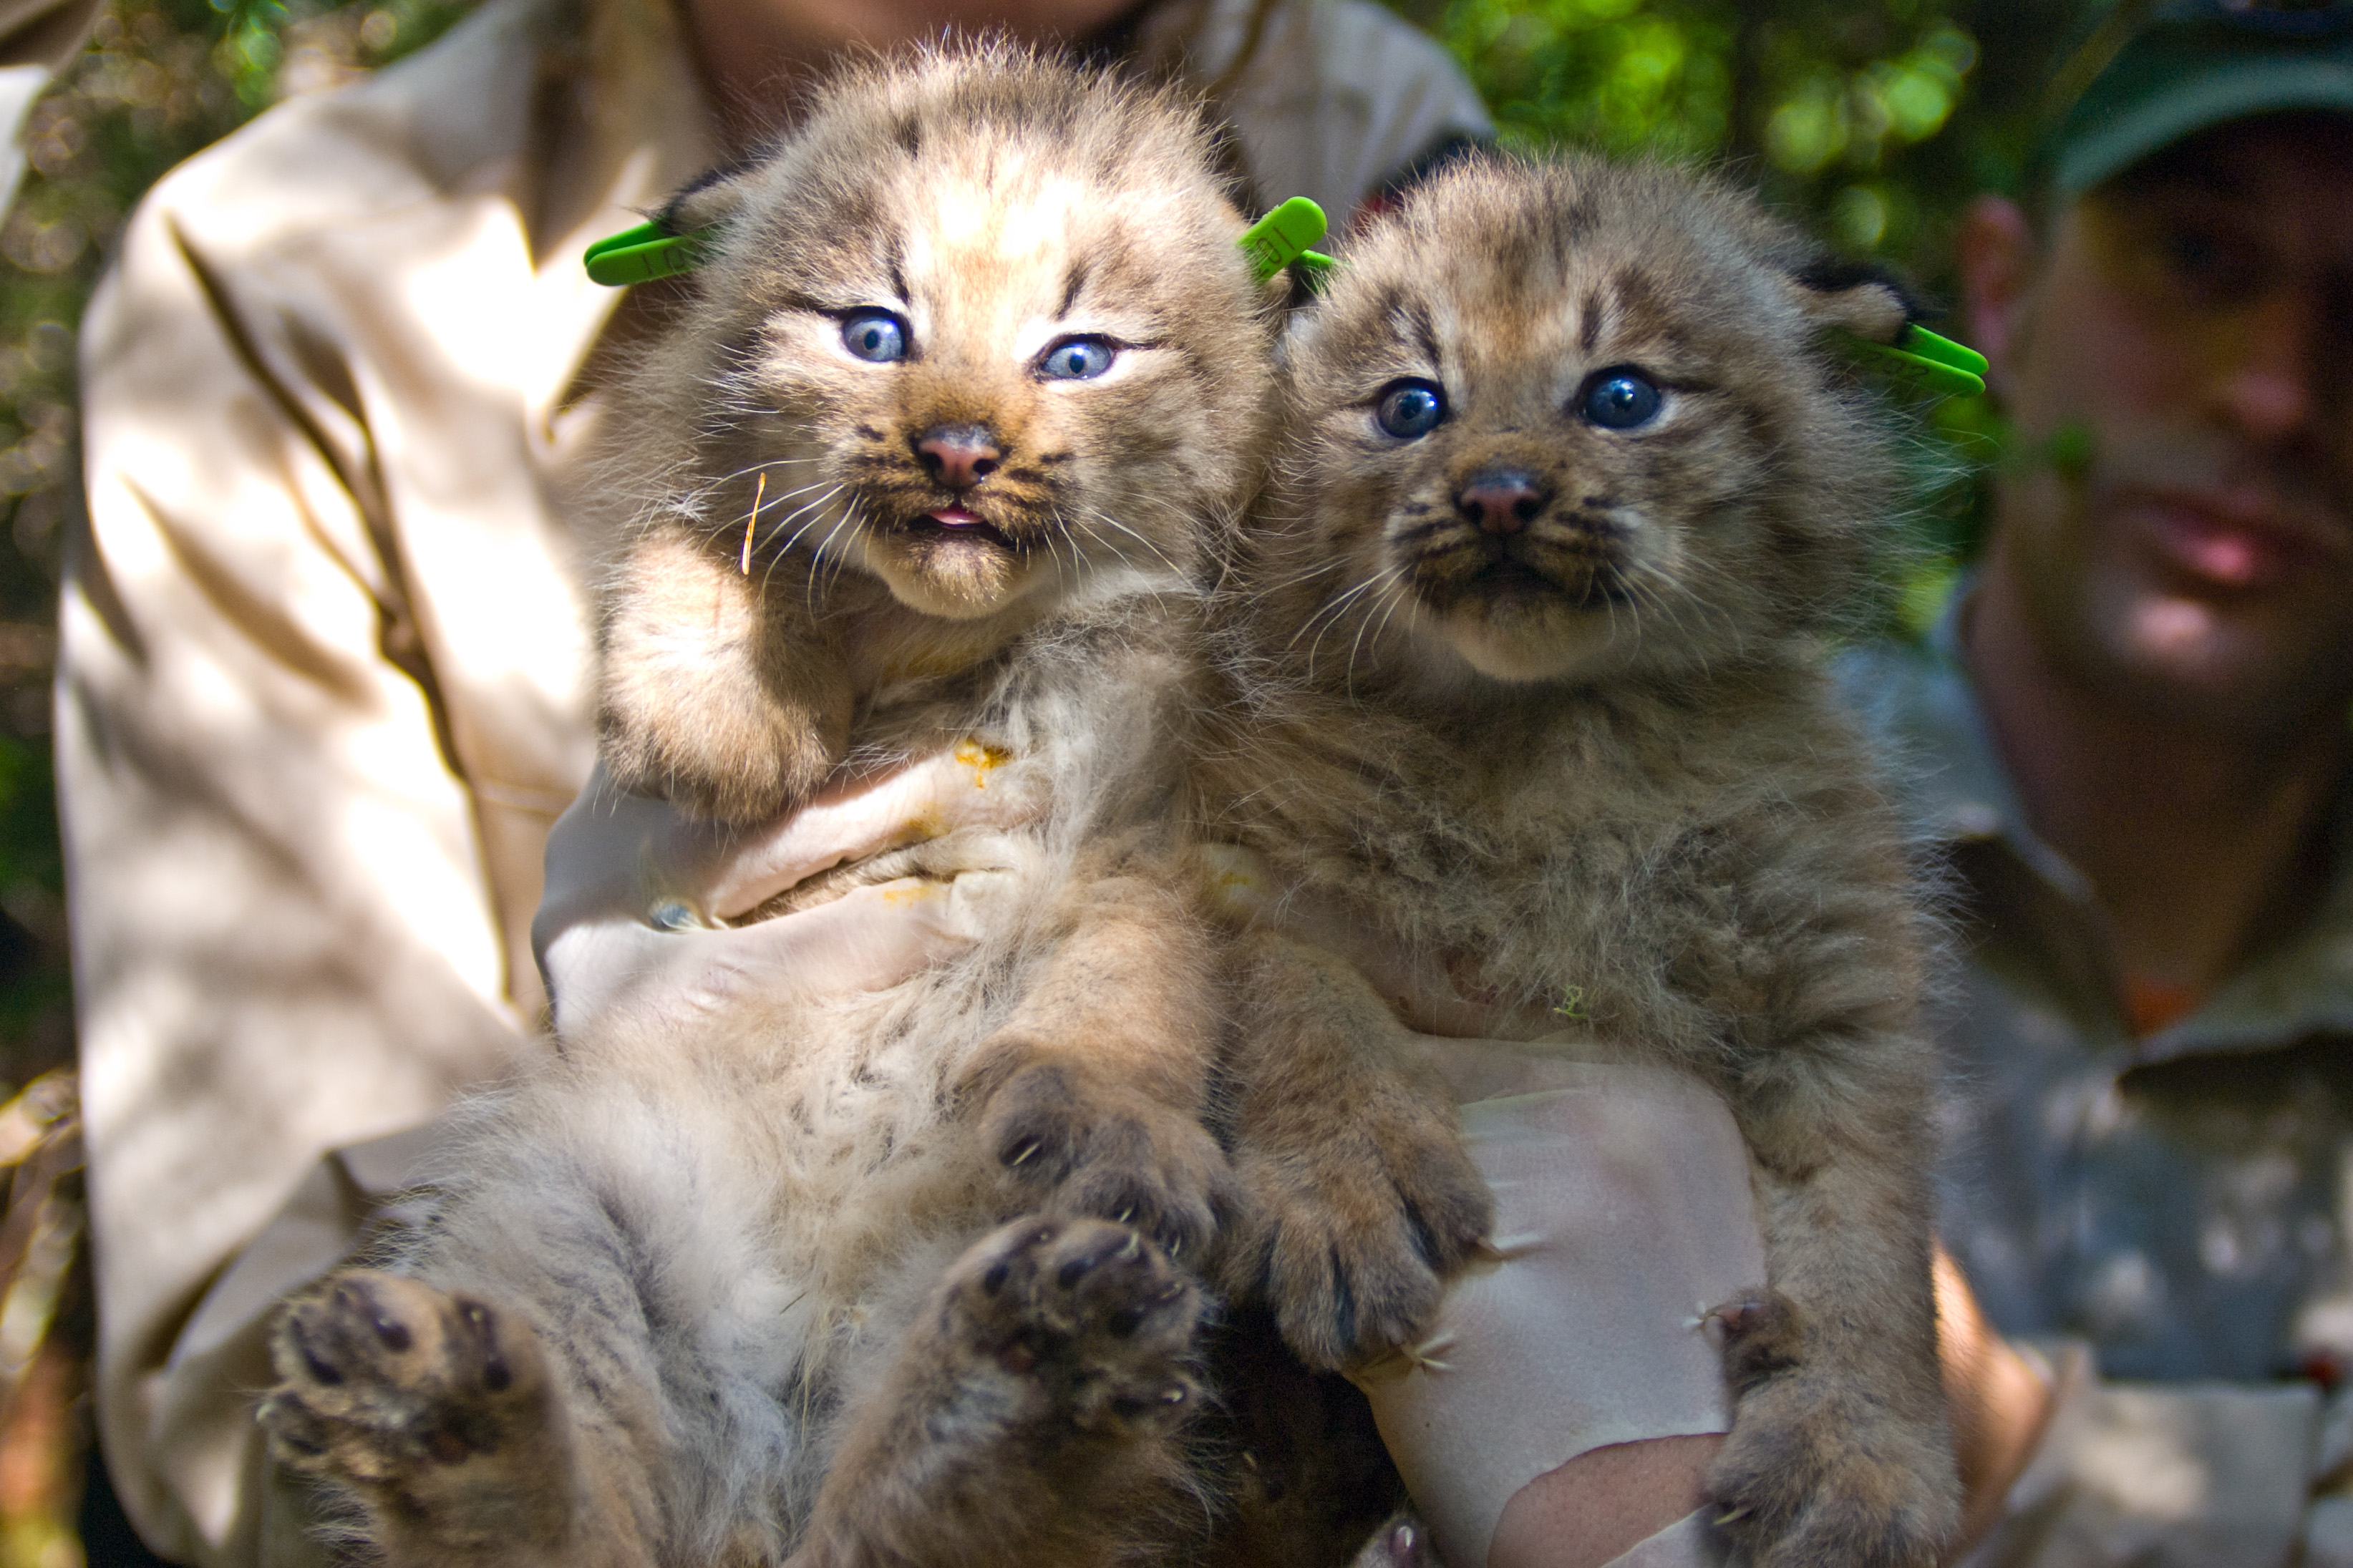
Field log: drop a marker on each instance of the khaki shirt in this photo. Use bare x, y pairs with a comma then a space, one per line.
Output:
325, 665
2180, 1205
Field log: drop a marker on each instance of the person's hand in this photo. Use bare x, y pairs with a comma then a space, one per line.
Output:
2000, 1404
636, 928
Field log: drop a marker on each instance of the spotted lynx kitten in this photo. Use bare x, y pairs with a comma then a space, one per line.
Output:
1525, 661
937, 446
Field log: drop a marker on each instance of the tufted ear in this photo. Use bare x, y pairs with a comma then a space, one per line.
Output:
1866, 300
708, 198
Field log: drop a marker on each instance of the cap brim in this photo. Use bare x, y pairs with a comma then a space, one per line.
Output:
2236, 91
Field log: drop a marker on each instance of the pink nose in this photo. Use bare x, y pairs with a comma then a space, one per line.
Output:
958, 456
1501, 501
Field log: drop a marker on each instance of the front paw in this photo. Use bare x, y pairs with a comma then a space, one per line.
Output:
1075, 1146
1092, 1317
385, 1383
1820, 1466
747, 766
1358, 1231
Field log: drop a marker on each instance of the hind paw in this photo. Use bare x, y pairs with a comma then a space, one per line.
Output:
1819, 1467
1081, 1147
1090, 1315
384, 1379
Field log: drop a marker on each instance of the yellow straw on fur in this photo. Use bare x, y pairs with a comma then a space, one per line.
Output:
753, 522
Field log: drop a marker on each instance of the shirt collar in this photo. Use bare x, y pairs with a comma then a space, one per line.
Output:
1923, 702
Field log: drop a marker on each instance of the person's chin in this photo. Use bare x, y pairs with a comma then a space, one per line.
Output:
2241, 659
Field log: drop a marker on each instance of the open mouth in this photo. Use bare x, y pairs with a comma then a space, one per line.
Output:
953, 522
1507, 585
1511, 580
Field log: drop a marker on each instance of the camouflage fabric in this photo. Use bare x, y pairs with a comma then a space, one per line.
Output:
2176, 1205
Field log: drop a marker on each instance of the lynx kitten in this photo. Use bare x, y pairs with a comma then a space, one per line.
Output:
934, 454
1527, 681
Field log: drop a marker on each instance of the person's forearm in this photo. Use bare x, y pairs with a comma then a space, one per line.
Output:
1998, 1404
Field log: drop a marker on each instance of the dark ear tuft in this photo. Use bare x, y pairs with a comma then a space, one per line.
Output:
707, 198
1865, 299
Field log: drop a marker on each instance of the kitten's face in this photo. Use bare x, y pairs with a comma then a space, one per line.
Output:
1557, 423
988, 353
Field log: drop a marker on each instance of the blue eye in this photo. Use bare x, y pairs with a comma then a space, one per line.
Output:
1077, 359
875, 335
1621, 399
1411, 409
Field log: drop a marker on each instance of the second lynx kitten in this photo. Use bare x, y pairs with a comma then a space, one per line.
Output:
1528, 682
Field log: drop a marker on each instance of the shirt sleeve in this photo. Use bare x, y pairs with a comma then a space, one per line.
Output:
36, 38
2192, 1475
283, 942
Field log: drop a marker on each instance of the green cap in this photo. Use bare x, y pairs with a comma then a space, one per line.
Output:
2193, 64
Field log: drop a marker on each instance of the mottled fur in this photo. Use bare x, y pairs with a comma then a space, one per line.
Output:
1540, 707
727, 1289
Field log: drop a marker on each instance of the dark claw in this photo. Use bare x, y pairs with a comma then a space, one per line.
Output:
1425, 1242
1134, 1404
1343, 1307
323, 1369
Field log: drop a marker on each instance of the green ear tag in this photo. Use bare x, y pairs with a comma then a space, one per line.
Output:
1941, 364
642, 254
1282, 237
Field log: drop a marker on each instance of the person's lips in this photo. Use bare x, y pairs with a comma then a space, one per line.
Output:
2234, 546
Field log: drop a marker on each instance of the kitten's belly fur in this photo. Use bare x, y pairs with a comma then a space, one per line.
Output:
761, 1196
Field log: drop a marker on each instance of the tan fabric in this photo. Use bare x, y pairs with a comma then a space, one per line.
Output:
2188, 1475
323, 668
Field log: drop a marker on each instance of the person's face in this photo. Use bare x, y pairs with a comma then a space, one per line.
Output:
740, 39
2196, 317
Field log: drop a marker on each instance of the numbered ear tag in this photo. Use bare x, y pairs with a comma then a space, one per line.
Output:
1944, 367
642, 254
650, 251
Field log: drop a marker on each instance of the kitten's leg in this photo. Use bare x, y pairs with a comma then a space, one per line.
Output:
1093, 1093
440, 1414
1033, 1417
1840, 1451
719, 690
1364, 1197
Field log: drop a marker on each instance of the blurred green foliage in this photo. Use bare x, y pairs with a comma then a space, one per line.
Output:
1876, 122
